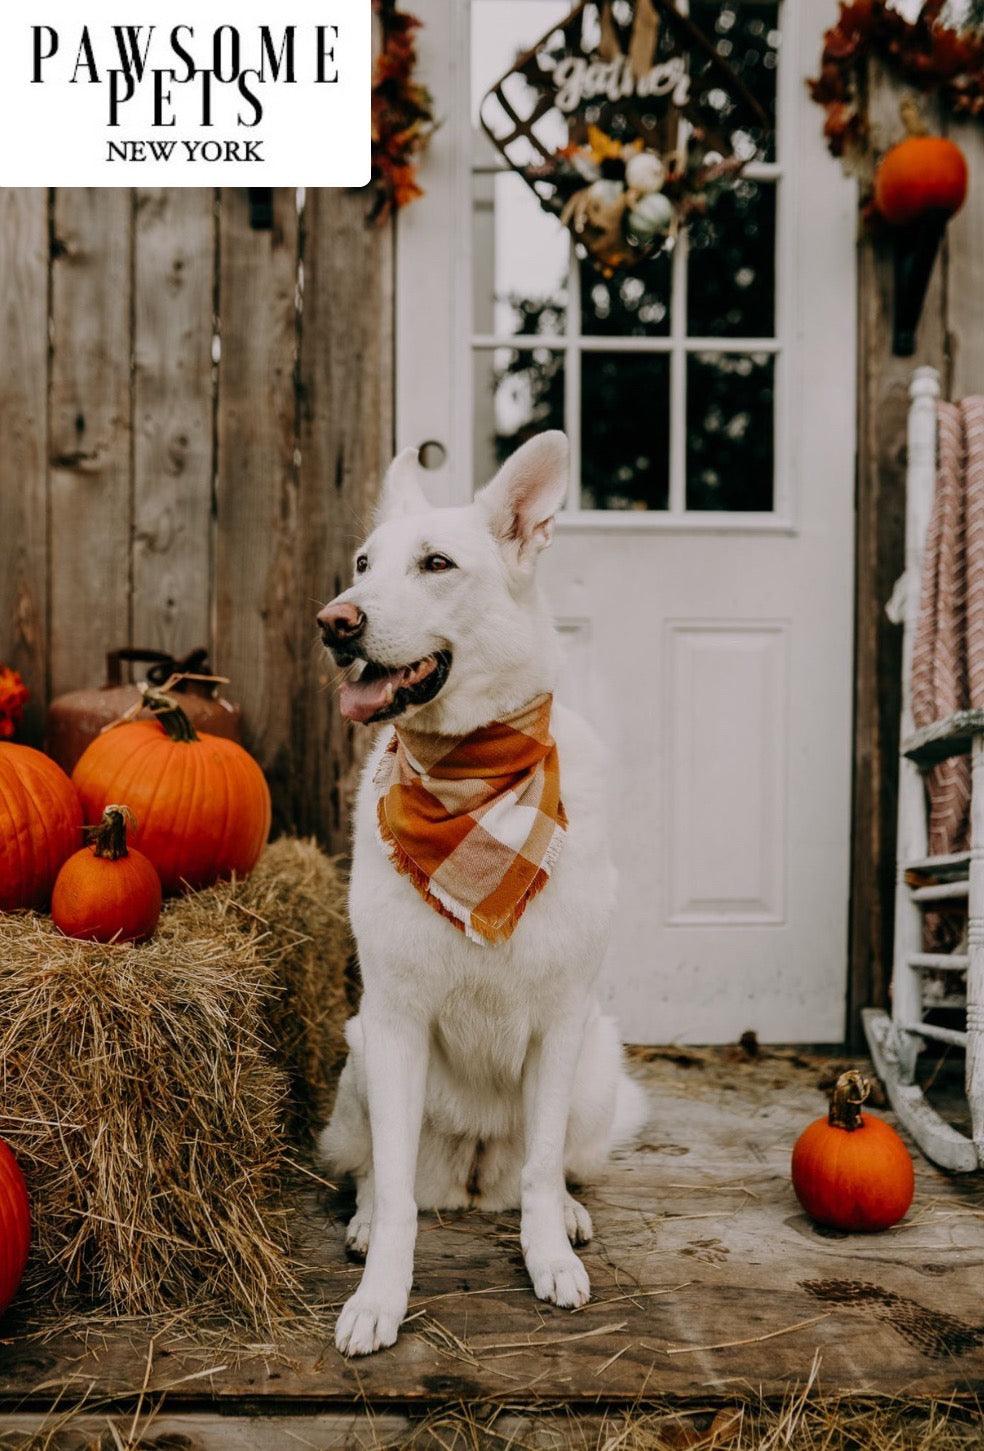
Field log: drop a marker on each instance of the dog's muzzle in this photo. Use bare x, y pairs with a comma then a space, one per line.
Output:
341, 625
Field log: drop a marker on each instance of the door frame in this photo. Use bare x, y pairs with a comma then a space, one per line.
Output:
433, 255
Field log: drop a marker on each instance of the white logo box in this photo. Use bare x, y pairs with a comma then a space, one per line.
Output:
185, 92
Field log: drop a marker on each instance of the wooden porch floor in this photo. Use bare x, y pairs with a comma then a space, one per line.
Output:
709, 1285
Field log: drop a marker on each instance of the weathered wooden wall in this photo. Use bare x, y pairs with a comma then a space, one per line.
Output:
194, 417
951, 337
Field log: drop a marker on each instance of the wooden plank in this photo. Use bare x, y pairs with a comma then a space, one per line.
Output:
346, 396
965, 264
256, 484
883, 397
706, 1278
23, 426
353, 1432
90, 432
487, 1428
174, 260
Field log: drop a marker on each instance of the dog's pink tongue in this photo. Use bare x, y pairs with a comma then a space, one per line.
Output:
360, 700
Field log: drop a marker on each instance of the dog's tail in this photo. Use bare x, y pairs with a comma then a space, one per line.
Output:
631, 1111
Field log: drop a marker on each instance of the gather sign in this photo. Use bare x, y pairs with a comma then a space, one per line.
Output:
578, 79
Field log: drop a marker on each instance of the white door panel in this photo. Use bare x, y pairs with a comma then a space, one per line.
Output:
724, 807
711, 648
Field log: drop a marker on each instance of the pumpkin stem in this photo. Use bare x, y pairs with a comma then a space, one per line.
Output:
850, 1092
109, 836
912, 117
167, 710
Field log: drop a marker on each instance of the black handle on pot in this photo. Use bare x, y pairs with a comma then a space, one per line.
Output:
161, 665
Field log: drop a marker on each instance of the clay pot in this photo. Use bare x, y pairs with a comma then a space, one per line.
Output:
74, 720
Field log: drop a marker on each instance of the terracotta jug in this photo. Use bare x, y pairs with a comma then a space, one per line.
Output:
77, 718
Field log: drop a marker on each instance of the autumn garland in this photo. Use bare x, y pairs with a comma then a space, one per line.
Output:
13, 698
924, 52
402, 113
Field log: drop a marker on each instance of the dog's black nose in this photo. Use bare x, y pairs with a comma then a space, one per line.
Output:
340, 624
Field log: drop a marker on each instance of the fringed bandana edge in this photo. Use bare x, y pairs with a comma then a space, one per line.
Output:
475, 822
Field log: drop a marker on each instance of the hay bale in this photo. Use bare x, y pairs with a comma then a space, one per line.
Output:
141, 1093
146, 1113
301, 894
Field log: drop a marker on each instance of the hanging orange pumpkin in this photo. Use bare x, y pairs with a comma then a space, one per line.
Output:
107, 892
851, 1170
15, 1225
921, 175
201, 803
40, 826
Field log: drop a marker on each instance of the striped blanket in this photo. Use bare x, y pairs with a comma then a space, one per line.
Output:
475, 821
948, 654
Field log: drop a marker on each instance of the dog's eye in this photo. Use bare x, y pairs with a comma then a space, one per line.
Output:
438, 563
361, 564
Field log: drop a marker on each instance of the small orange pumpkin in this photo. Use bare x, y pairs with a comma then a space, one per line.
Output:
107, 892
851, 1170
15, 1225
40, 826
921, 174
201, 802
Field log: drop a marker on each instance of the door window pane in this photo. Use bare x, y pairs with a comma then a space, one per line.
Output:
519, 392
745, 34
730, 431
630, 304
731, 275
519, 258
624, 430
718, 284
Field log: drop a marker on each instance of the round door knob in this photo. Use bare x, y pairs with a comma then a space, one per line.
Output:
433, 454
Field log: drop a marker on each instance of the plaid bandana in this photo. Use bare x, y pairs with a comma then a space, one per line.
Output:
475, 821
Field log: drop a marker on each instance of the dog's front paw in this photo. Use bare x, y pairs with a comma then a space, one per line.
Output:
368, 1323
563, 1282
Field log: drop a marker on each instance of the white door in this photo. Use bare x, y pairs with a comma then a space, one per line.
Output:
702, 572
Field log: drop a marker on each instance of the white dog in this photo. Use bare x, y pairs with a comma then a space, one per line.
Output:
479, 1074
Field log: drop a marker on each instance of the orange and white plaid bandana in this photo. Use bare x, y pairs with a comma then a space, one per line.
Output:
475, 821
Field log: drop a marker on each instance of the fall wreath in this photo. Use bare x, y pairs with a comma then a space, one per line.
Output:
655, 125
926, 52
402, 112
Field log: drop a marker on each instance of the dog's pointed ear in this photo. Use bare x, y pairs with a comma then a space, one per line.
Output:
521, 501
402, 491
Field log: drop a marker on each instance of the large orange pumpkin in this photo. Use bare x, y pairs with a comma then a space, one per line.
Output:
851, 1170
108, 891
15, 1225
40, 826
201, 803
921, 174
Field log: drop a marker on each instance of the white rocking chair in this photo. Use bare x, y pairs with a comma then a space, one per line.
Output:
896, 1042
